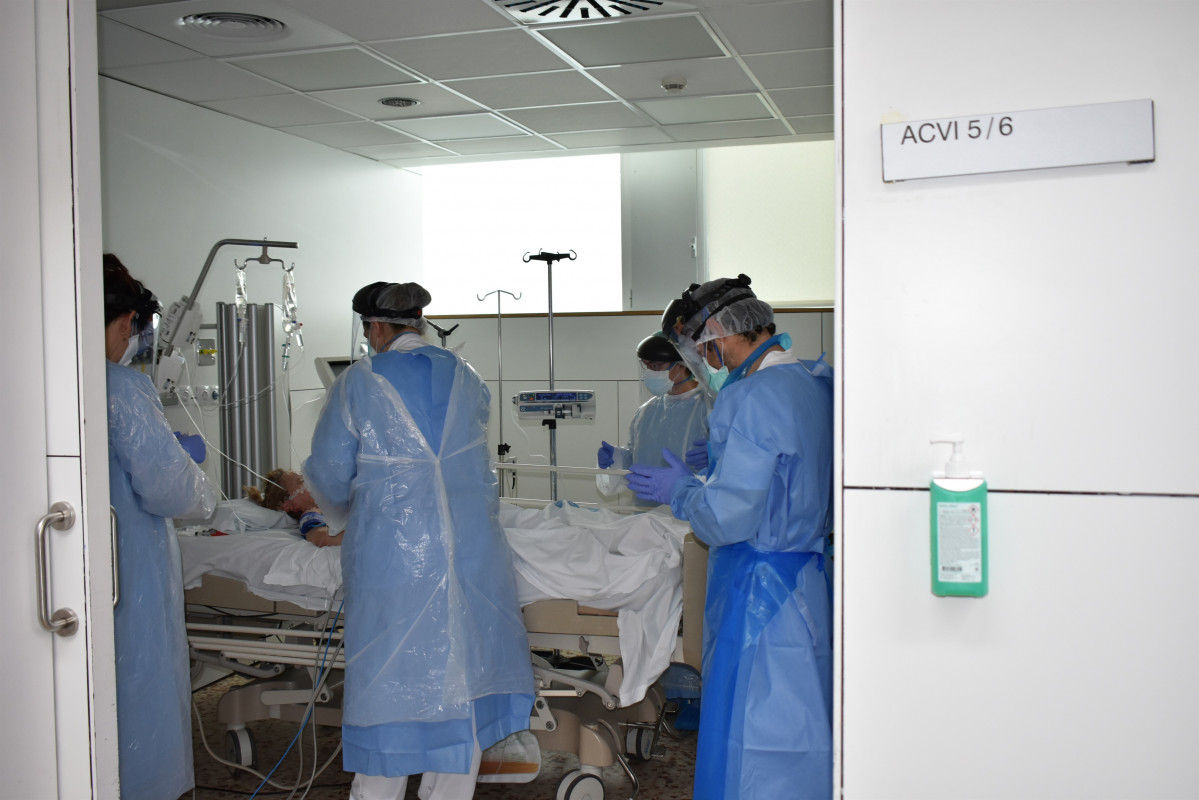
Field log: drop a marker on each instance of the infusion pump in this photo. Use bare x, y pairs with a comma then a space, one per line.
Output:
555, 404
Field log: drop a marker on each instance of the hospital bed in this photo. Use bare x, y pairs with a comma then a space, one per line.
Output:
266, 604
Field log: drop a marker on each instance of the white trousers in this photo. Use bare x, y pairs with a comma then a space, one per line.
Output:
433, 785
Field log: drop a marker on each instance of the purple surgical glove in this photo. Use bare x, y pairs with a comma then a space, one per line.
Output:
604, 456
194, 445
655, 483
697, 456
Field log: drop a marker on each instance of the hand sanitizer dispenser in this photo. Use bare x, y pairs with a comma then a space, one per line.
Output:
958, 527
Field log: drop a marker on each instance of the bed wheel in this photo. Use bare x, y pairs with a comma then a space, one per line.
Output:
240, 747
639, 744
578, 785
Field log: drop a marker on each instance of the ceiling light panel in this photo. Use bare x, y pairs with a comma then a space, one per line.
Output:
196, 81
528, 91
725, 108
280, 111
434, 101
122, 46
463, 126
472, 55
396, 19
339, 68
635, 41
164, 21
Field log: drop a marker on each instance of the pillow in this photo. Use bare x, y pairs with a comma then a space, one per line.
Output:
242, 515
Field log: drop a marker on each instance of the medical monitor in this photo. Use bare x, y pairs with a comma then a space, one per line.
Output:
327, 369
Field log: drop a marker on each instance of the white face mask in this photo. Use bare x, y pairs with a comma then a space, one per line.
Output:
658, 383
130, 350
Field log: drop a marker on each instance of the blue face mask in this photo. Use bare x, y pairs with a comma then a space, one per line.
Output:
716, 377
658, 383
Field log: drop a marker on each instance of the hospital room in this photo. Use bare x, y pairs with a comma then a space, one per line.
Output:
924, 277
553, 195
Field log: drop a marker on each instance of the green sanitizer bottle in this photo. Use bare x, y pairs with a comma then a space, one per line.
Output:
959, 528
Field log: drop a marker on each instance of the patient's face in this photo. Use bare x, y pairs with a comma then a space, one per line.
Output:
298, 498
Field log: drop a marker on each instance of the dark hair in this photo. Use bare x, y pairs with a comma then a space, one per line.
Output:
124, 293
767, 329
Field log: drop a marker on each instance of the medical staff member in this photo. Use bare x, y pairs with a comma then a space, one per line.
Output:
151, 479
675, 418
437, 658
765, 512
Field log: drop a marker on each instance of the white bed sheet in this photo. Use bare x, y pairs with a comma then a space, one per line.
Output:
631, 564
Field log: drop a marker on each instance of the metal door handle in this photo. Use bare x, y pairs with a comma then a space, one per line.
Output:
116, 563
64, 622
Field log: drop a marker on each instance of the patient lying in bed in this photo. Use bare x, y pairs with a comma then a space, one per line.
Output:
284, 491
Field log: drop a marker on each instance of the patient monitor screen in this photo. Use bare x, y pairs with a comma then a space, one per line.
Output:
329, 368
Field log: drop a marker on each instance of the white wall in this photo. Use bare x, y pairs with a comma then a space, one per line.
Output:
1052, 319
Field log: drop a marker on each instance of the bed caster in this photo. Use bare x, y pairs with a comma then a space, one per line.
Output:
639, 744
579, 785
240, 747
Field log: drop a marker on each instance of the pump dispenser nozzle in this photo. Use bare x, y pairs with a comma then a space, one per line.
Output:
956, 466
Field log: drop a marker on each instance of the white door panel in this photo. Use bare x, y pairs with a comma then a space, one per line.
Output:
1078, 667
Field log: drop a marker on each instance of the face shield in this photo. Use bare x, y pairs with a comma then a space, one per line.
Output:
359, 337
707, 312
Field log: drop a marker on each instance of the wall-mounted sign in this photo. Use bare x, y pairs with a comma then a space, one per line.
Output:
1105, 133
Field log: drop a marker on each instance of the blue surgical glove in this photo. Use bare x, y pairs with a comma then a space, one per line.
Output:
605, 455
697, 456
194, 445
655, 483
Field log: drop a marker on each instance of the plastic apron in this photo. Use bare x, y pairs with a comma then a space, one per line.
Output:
151, 478
435, 645
766, 509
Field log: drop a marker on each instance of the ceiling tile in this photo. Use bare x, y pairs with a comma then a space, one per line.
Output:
280, 111
472, 55
393, 19
716, 131
529, 91
196, 81
635, 41
804, 102
702, 76
122, 46
752, 28
509, 144
340, 68
791, 70
163, 20
723, 108
821, 123
349, 134
462, 126
412, 150
590, 117
613, 138
434, 101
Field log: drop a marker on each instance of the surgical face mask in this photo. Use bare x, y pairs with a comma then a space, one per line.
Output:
716, 377
131, 350
658, 382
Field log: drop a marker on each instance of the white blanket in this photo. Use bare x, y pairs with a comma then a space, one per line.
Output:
631, 564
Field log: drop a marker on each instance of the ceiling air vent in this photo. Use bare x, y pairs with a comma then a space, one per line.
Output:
399, 102
557, 10
232, 26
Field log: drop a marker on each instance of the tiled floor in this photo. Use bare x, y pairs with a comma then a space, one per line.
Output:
667, 776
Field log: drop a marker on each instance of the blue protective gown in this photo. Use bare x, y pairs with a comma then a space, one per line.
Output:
765, 512
672, 421
434, 637
151, 478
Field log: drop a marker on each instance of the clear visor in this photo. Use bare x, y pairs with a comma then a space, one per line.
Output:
692, 357
359, 340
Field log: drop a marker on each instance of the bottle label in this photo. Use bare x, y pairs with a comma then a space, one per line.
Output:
959, 542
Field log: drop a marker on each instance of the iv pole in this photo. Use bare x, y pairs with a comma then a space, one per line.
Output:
552, 424
502, 447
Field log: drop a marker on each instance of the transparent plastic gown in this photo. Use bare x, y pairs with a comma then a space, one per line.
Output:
766, 512
434, 636
674, 422
151, 479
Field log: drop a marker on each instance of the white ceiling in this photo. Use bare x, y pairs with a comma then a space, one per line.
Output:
491, 85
